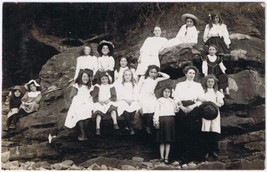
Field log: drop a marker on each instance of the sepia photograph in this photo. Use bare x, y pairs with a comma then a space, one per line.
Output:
109, 85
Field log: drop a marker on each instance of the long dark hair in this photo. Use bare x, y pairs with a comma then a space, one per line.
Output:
212, 16
166, 87
79, 79
204, 82
150, 67
118, 64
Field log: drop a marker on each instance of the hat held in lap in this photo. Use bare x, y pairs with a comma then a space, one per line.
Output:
209, 110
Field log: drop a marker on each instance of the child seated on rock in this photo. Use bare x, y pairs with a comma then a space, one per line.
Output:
213, 64
104, 98
30, 101
14, 104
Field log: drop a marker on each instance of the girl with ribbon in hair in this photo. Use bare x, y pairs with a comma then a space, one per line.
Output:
104, 98
147, 98
216, 33
82, 105
211, 127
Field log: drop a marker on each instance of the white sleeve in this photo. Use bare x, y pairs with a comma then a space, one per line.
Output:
194, 37
144, 45
226, 35
205, 68
176, 94
95, 68
222, 67
219, 99
157, 112
77, 68
180, 35
164, 77
111, 63
205, 35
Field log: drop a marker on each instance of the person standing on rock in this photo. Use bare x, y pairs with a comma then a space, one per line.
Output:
30, 100
164, 120
14, 104
188, 34
86, 61
104, 98
213, 64
149, 52
211, 124
127, 98
188, 96
147, 98
82, 105
106, 62
216, 33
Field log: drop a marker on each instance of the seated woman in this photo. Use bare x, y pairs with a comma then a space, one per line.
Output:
187, 33
188, 96
30, 100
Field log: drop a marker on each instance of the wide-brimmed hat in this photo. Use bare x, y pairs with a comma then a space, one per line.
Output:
17, 87
109, 44
209, 110
31, 82
193, 17
89, 72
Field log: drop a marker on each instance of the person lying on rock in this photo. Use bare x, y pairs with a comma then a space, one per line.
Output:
30, 102
104, 98
188, 33
82, 105
14, 104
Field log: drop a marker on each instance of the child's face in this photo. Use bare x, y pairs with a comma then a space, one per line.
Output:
87, 50
104, 80
127, 76
157, 31
166, 93
190, 75
189, 22
212, 50
105, 50
153, 73
123, 62
210, 83
33, 87
17, 93
216, 19
85, 78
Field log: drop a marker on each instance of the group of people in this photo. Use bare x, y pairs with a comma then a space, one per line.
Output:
186, 111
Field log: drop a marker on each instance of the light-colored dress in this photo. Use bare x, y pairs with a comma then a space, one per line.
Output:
164, 107
127, 91
149, 53
32, 99
103, 93
213, 125
81, 106
186, 35
86, 62
106, 63
217, 30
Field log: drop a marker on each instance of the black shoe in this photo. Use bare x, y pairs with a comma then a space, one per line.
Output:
148, 130
215, 155
166, 161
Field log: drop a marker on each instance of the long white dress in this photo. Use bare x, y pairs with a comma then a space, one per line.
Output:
149, 53
86, 62
81, 106
124, 92
213, 125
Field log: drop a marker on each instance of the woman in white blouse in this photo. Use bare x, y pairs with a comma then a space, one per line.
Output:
188, 34
216, 33
188, 96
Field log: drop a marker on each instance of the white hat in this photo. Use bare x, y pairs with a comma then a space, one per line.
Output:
193, 17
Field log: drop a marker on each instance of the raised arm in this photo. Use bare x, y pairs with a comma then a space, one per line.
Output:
163, 77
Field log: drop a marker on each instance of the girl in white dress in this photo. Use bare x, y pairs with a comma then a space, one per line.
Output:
104, 98
86, 61
216, 33
149, 52
211, 128
187, 33
123, 65
106, 62
127, 98
82, 104
147, 98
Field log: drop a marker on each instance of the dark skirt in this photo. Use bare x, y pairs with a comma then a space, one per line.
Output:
222, 81
220, 44
166, 132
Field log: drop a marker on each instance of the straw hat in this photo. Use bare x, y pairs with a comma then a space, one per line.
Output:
31, 82
109, 44
191, 16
